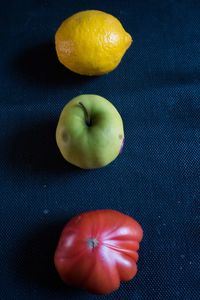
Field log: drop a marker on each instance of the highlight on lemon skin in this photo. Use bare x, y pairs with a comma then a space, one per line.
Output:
91, 42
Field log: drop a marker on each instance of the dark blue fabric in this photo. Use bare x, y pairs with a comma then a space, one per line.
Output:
156, 89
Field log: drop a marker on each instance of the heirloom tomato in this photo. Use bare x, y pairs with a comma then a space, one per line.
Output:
97, 250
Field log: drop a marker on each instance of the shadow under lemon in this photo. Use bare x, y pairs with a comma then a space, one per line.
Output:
39, 65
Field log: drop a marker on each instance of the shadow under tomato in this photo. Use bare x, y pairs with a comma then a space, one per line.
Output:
34, 259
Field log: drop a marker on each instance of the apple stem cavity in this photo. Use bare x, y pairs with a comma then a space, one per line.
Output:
87, 117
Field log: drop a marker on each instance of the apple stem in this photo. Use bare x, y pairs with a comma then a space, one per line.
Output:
87, 117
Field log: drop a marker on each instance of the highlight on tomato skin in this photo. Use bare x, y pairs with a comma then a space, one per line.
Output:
97, 250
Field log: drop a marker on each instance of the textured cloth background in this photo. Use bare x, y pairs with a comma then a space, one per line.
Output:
156, 89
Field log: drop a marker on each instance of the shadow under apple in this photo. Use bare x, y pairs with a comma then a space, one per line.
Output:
33, 148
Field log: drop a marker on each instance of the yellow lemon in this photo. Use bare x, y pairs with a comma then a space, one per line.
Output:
91, 42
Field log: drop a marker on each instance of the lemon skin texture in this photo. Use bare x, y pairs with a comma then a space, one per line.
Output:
90, 132
91, 42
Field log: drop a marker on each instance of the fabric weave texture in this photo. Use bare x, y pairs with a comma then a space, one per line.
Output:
156, 179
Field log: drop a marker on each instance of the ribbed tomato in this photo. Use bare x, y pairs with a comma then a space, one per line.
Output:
97, 250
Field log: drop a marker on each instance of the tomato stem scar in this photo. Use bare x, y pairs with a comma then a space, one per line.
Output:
92, 243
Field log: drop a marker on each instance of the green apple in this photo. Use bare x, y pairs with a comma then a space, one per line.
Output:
90, 132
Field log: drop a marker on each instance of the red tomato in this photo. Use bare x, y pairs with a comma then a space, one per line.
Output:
97, 250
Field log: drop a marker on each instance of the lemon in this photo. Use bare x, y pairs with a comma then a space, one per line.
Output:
91, 42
